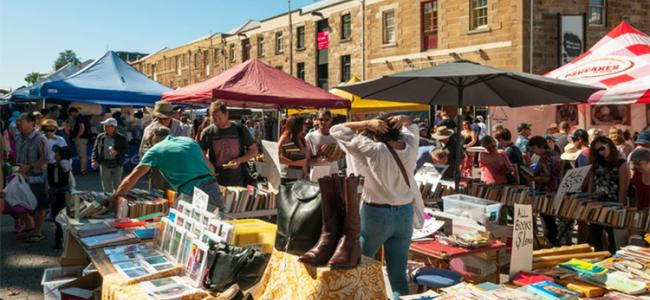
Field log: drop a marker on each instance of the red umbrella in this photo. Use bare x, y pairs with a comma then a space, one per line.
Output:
255, 84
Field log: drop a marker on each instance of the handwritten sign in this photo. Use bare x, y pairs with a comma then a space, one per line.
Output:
571, 183
522, 240
200, 200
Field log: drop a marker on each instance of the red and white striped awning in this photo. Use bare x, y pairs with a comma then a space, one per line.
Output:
619, 62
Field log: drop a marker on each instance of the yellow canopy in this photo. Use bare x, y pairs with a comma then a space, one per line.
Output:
361, 106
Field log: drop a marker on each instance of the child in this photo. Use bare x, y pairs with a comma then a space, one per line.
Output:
58, 176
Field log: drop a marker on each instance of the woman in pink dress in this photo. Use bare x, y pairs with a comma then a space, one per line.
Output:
494, 165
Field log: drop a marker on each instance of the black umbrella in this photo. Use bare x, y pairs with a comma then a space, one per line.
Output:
465, 83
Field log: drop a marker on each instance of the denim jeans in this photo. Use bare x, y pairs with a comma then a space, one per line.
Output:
391, 227
111, 177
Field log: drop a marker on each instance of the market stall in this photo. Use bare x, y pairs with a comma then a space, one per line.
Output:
619, 64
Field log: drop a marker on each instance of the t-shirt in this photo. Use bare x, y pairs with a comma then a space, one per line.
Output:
314, 140
424, 156
180, 161
522, 144
50, 143
76, 126
516, 158
223, 145
108, 143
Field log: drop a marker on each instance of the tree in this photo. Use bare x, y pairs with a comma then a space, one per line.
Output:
32, 77
66, 57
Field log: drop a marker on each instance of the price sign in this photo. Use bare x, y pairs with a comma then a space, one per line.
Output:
522, 240
200, 200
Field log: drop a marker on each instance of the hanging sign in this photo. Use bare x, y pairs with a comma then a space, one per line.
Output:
322, 40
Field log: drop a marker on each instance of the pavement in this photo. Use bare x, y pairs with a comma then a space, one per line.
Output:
22, 264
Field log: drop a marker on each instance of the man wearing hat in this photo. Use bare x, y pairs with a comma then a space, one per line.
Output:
522, 140
108, 154
642, 141
162, 113
448, 141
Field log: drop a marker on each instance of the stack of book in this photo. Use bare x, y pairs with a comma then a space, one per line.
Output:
93, 229
242, 199
137, 203
110, 239
292, 151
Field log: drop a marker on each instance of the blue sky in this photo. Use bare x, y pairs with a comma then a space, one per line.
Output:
32, 33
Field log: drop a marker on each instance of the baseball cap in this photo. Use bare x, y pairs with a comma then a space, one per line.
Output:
110, 121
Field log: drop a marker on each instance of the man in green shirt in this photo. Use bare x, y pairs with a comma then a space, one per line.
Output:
181, 162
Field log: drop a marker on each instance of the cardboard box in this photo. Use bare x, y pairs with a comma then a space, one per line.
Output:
91, 282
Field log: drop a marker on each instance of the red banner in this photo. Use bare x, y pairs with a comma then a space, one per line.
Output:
323, 40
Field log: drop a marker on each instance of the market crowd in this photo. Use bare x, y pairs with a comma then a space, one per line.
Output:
182, 152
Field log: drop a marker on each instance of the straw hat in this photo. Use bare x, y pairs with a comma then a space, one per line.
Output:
49, 123
442, 132
162, 110
571, 152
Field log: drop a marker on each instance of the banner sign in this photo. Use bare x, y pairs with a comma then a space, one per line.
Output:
571, 38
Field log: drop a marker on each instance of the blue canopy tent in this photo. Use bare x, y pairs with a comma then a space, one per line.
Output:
107, 81
33, 92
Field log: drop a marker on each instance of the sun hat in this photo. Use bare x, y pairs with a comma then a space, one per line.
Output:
110, 121
571, 152
49, 123
442, 132
643, 138
162, 110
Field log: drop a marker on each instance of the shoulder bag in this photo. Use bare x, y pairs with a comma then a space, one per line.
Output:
229, 264
418, 203
299, 217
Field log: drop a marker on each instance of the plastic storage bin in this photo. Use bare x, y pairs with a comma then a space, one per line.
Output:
255, 232
55, 277
481, 210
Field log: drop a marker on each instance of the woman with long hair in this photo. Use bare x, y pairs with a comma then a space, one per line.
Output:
468, 139
292, 149
610, 177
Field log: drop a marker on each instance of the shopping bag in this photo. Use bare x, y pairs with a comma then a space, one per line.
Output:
17, 192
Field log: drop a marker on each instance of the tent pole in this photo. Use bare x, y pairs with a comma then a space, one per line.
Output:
459, 125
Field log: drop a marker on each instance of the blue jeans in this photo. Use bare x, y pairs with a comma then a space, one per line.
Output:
393, 228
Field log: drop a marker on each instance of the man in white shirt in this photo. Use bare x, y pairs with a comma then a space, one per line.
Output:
480, 122
384, 152
318, 139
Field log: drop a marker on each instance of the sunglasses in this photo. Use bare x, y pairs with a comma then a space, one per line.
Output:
49, 130
601, 148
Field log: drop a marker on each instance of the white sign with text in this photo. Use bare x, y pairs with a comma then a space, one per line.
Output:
571, 183
200, 199
522, 240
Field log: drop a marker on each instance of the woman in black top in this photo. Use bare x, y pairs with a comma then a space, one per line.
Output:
610, 177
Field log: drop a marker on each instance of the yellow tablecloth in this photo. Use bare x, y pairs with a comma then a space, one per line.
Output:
287, 278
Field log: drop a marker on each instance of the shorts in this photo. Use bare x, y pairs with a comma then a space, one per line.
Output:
42, 198
15, 210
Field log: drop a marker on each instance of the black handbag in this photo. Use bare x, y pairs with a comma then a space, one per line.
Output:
229, 264
299, 217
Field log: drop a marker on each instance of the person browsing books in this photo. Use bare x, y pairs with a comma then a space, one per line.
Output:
229, 146
292, 150
319, 140
181, 162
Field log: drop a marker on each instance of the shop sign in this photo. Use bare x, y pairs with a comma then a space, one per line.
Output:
600, 67
572, 38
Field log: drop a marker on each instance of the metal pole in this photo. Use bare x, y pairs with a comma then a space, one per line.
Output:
459, 125
290, 40
363, 39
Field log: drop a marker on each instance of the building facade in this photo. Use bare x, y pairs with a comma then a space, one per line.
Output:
333, 40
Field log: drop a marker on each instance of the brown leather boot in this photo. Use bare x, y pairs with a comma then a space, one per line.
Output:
348, 251
330, 230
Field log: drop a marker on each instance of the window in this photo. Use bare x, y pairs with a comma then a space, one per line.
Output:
597, 12
178, 65
300, 37
206, 62
300, 70
231, 52
260, 46
345, 68
388, 27
478, 10
196, 60
279, 42
214, 56
429, 25
346, 27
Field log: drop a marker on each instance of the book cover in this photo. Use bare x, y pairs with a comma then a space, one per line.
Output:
552, 291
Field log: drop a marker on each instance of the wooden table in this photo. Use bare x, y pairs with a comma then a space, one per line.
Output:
438, 254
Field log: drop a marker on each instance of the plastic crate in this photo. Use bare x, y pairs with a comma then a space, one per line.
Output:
55, 277
255, 232
478, 209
